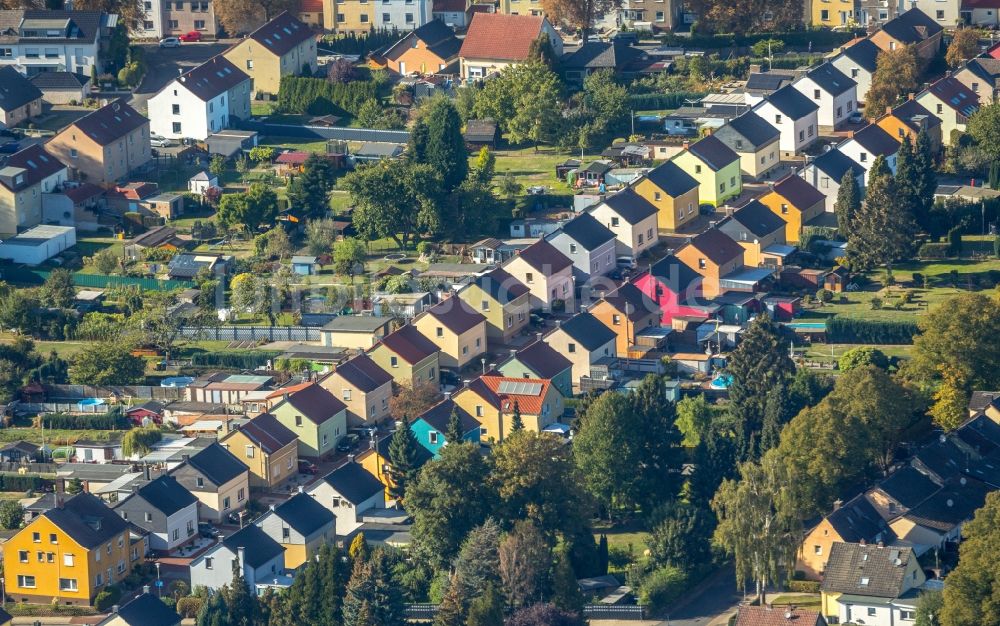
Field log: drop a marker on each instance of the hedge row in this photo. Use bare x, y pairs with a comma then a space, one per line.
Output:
316, 96
803, 586
234, 360
934, 251
820, 38
23, 482
651, 101
847, 330
361, 44
113, 420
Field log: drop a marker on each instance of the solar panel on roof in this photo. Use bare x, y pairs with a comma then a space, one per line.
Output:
519, 388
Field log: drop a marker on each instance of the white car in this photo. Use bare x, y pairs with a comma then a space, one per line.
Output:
159, 142
170, 42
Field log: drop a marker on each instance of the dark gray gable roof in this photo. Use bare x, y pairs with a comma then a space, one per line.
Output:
867, 570
864, 53
59, 80
914, 114
713, 152
587, 231
908, 486
587, 331
316, 403
545, 257
87, 23
717, 246
768, 81
436, 35
304, 514
791, 102
985, 67
857, 520
751, 127
675, 275
354, 483
600, 55
147, 610
212, 78
439, 416
363, 373
830, 79
630, 206
258, 547
110, 122
500, 285
673, 180
875, 140
756, 218
166, 495
217, 464
954, 504
911, 27
87, 520
267, 432
16, 90
543, 360
835, 164
282, 34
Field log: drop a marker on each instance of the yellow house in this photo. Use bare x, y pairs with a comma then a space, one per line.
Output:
760, 232
27, 175
364, 387
355, 332
547, 273
267, 447
832, 13
716, 168
755, 140
301, 525
855, 520
494, 400
628, 312
69, 553
456, 328
673, 192
376, 460
866, 583
409, 357
503, 300
282, 47
952, 102
104, 146
585, 341
712, 254
795, 201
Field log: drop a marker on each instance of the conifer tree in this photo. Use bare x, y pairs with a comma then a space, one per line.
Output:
848, 202
243, 608
602, 555
454, 433
359, 550
884, 231
565, 590
451, 611
404, 462
926, 179
487, 609
373, 596
516, 423
213, 612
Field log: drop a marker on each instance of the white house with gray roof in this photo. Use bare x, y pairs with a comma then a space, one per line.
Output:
795, 116
260, 559
348, 492
37, 40
202, 101
835, 93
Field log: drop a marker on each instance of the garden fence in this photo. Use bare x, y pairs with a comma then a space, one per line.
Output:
599, 611
252, 333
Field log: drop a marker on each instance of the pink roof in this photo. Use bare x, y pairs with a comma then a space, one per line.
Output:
501, 37
292, 158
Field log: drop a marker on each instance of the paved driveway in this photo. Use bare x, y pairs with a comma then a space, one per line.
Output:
165, 64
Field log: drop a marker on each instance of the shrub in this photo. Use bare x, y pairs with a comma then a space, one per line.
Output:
317, 96
803, 586
933, 251
234, 360
188, 607
848, 330
112, 420
918, 278
662, 587
876, 303
619, 557
107, 598
824, 295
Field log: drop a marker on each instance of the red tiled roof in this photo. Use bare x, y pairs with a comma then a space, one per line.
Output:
501, 37
775, 616
311, 6
292, 158
530, 404
83, 192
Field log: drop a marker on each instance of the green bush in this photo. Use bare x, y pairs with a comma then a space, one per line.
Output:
362, 44
112, 420
188, 607
661, 587
824, 295
317, 96
934, 251
848, 330
234, 360
803, 586
107, 598
21, 482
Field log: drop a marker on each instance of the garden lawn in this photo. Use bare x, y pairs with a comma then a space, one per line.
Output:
65, 349
56, 437
831, 352
624, 536
300, 144
530, 168
810, 601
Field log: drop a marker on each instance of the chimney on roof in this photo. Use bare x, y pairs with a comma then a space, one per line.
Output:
185, 457
301, 489
447, 395
755, 68
538, 336
270, 507
708, 131
911, 96
862, 543
146, 471
850, 134
888, 110
837, 504
881, 544
145, 588
114, 609
513, 351
350, 458
558, 323
686, 144
284, 396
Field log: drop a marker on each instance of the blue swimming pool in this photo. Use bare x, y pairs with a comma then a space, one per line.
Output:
88, 403
722, 381
807, 325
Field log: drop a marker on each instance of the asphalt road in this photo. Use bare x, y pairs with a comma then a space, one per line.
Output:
715, 600
162, 65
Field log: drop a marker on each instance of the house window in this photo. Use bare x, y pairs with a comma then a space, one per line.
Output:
298, 421
36, 537
777, 119
465, 349
871, 609
286, 534
176, 127
818, 550
433, 437
940, 15
175, 109
68, 560
614, 222
199, 24
27, 582
975, 87
385, 18
148, 516
572, 248
616, 319
571, 348
529, 278
409, 18
200, 481
784, 209
701, 264
824, 182
67, 584
346, 394
250, 61
248, 451
940, 109
209, 562
241, 494
73, 153
485, 305
174, 24
225, 503
697, 169
815, 94
53, 538
863, 157
22, 556
908, 615
479, 410
657, 195
364, 19
393, 361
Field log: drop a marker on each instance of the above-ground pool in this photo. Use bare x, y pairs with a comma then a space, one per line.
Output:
87, 403
722, 381
177, 381
806, 325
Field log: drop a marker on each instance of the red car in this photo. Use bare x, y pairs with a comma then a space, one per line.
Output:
191, 36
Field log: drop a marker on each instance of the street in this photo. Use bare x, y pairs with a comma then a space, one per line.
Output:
162, 65
714, 601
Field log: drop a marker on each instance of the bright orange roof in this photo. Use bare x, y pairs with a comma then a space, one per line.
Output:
529, 393
277, 393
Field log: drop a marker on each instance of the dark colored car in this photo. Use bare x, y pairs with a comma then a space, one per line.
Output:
207, 531
450, 378
10, 147
305, 467
348, 443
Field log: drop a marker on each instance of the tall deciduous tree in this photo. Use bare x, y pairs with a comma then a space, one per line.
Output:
693, 417
606, 451
896, 74
883, 231
487, 609
962, 333
745, 16
951, 399
580, 14
970, 597
349, 256
524, 564
310, 191
242, 16
525, 99
57, 290
394, 200
443, 146
964, 45
251, 210
107, 364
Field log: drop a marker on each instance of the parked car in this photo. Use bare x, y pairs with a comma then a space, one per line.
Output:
170, 42
207, 530
159, 142
307, 467
856, 117
349, 441
191, 36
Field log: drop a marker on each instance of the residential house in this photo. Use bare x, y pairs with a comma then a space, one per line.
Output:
375, 460
833, 14
143, 610
909, 119
900, 492
796, 202
864, 146
267, 447
454, 13
951, 101
835, 93
548, 275
495, 40
218, 479
360, 16
166, 510
584, 340
431, 427
912, 28
763, 82
49, 40
633, 220
795, 116
769, 615
364, 387
212, 96
223, 388
164, 18
408, 356
496, 401
858, 61
851, 522
826, 172
357, 332
301, 525
761, 232
456, 328
981, 13
258, 557
673, 192
676, 289
947, 15
938, 520
642, 15
428, 49
713, 255
588, 243
868, 582
316, 416
262, 400
715, 166
104, 146
982, 76
503, 300
282, 47
68, 554
627, 311
348, 492
540, 360
25, 178
20, 99
595, 56
755, 140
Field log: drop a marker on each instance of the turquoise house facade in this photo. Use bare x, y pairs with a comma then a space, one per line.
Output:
430, 427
